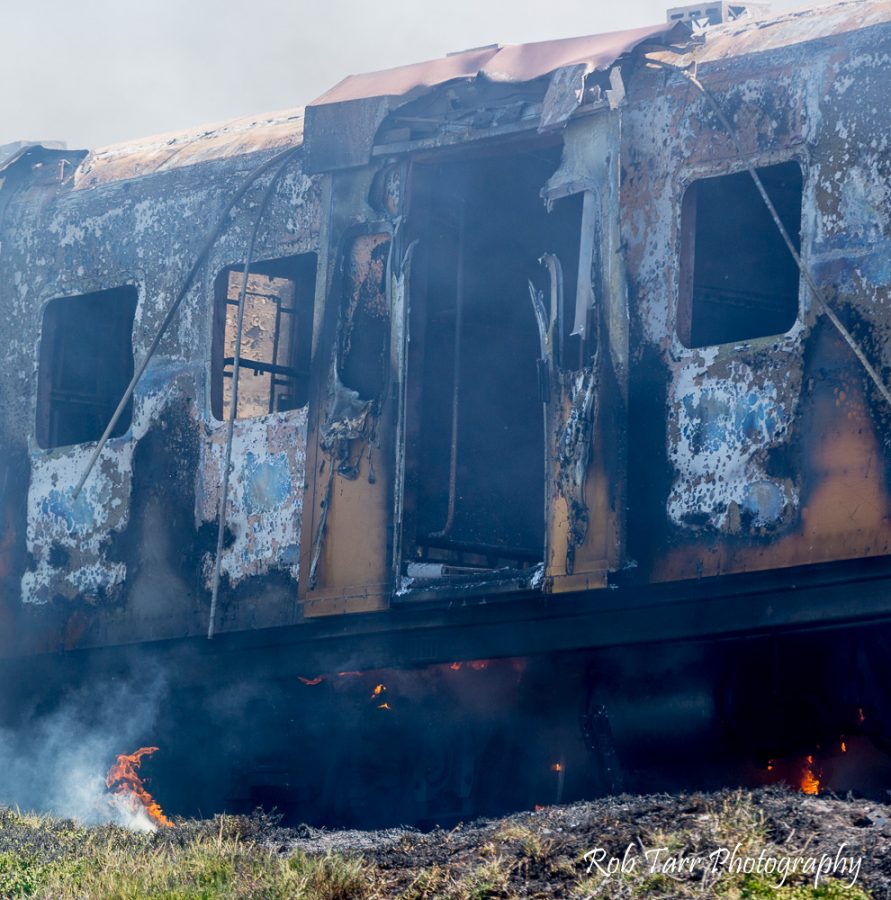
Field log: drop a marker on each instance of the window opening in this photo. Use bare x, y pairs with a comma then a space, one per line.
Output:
738, 279
86, 363
276, 337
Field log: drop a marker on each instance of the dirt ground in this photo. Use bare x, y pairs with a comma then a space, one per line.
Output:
543, 853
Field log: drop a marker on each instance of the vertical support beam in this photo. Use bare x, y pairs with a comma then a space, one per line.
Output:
586, 521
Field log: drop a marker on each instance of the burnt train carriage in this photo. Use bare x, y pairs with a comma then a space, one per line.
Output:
525, 364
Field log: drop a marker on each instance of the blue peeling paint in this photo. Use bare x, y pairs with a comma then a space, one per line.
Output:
758, 417
289, 555
267, 482
765, 502
78, 514
876, 268
715, 422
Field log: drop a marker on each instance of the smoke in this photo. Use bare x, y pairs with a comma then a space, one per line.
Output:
56, 761
137, 69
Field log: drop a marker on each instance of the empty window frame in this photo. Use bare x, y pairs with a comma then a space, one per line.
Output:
737, 278
86, 363
276, 336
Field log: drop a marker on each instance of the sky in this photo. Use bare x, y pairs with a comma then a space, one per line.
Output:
94, 72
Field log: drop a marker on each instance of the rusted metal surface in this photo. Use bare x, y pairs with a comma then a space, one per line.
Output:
129, 558
747, 425
349, 534
513, 62
344, 120
166, 152
663, 462
745, 37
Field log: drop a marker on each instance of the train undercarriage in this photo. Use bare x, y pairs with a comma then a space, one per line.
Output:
322, 727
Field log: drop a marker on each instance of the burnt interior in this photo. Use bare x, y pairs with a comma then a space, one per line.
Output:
276, 336
464, 109
86, 363
738, 279
474, 433
364, 337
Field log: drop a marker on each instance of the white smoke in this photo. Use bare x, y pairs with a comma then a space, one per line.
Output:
56, 762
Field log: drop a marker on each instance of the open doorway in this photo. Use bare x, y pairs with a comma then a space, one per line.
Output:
474, 487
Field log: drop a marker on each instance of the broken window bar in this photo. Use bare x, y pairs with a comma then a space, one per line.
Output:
281, 387
262, 367
276, 339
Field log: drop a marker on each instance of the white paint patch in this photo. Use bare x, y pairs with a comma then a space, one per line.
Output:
716, 445
75, 528
265, 502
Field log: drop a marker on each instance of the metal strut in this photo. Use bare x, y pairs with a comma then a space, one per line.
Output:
233, 397
805, 272
446, 529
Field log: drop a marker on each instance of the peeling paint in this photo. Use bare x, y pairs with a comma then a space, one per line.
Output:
693, 462
263, 513
723, 427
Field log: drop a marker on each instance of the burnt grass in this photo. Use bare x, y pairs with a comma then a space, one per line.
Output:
528, 854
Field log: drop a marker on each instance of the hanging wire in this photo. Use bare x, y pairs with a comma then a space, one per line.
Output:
233, 398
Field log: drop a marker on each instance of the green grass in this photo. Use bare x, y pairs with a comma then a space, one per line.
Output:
733, 821
58, 859
523, 856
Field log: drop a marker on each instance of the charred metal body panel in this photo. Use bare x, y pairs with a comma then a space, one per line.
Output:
513, 366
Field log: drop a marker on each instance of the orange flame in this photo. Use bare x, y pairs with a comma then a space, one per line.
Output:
455, 667
810, 781
124, 782
385, 706
310, 681
557, 767
378, 690
479, 664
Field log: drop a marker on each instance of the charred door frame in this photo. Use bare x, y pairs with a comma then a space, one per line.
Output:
499, 580
356, 212
318, 532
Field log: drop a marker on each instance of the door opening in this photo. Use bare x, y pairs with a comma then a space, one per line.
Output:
474, 487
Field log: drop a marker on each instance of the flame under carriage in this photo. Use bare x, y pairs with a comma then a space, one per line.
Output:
420, 472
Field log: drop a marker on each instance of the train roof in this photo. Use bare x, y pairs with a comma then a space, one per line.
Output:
164, 152
749, 36
370, 97
497, 63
